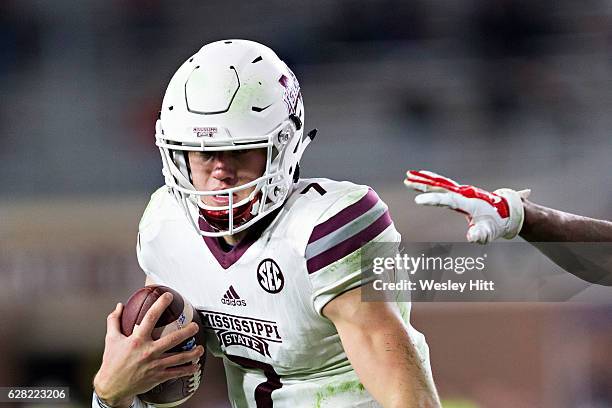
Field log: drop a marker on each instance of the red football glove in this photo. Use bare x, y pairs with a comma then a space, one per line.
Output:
490, 215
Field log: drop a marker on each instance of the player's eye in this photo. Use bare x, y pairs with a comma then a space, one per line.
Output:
208, 156
205, 156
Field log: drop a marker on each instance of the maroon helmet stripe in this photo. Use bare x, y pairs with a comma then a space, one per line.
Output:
345, 216
263, 392
349, 245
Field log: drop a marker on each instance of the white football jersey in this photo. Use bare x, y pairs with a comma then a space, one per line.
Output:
261, 301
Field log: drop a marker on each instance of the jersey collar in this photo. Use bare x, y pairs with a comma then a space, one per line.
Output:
227, 259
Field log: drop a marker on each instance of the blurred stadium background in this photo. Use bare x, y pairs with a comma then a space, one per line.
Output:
512, 93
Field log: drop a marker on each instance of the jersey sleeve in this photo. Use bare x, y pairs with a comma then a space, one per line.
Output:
148, 229
353, 230
145, 260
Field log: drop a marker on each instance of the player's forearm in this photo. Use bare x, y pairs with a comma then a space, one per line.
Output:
390, 368
543, 224
405, 382
559, 235
377, 344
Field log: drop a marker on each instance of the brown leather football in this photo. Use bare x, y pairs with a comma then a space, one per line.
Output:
177, 315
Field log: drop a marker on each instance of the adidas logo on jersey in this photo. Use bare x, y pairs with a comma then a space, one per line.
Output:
231, 298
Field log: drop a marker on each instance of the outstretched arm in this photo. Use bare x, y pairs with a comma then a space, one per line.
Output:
592, 263
506, 213
543, 224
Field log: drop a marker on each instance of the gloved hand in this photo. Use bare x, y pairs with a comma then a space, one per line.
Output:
490, 215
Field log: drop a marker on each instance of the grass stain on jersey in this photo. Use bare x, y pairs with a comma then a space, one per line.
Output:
336, 389
404, 311
363, 258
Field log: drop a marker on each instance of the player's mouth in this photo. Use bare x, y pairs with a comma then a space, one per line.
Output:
222, 199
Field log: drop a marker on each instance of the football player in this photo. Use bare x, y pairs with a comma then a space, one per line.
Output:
507, 213
271, 261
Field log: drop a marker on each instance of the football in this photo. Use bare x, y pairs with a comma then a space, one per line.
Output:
177, 315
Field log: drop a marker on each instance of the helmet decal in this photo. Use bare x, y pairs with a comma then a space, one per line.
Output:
292, 91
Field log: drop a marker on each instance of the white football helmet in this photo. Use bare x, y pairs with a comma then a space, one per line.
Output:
232, 95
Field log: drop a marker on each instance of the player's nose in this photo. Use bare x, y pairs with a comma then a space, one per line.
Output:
224, 168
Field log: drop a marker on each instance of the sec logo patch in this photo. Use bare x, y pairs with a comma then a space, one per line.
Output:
269, 276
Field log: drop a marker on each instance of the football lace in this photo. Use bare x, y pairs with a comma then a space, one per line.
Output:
194, 381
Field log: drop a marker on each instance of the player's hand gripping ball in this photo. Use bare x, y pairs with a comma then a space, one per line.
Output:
490, 215
177, 315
